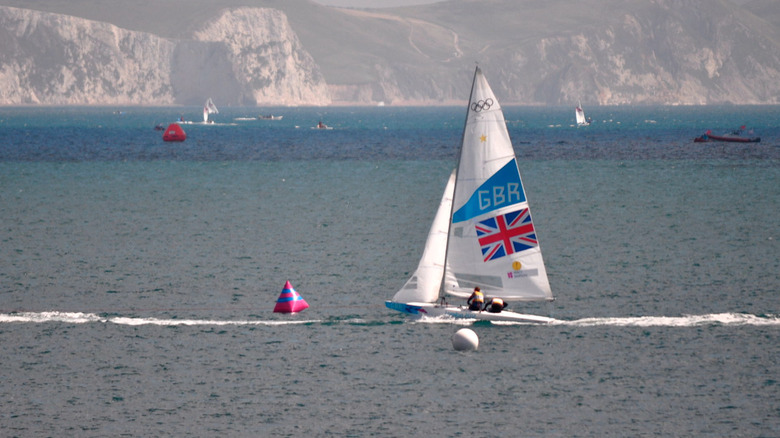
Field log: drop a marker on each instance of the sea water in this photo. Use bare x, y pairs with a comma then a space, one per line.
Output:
138, 277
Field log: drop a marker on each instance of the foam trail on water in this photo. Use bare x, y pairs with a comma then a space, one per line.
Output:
84, 318
677, 321
53, 316
726, 319
174, 322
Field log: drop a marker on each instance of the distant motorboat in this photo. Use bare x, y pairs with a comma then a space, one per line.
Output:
269, 117
732, 137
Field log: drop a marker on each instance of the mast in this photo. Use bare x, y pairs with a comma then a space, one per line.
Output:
455, 190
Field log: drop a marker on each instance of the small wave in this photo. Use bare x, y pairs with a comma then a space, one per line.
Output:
444, 319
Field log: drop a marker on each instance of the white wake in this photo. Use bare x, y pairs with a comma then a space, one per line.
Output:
677, 321
725, 319
83, 318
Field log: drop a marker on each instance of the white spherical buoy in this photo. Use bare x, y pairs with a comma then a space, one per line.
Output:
465, 340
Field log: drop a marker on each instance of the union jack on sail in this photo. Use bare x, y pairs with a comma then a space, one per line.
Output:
506, 234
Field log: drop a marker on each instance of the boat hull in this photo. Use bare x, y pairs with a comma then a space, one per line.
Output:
432, 310
709, 138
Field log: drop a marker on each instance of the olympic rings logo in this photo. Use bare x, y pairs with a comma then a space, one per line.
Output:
482, 105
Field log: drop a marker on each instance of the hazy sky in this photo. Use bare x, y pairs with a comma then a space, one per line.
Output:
373, 3
391, 3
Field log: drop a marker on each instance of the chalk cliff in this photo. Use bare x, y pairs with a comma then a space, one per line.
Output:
297, 52
267, 60
244, 56
553, 52
58, 59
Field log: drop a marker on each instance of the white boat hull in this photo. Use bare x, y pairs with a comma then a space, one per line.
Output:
432, 310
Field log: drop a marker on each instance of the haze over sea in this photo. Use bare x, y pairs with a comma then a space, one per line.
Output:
138, 278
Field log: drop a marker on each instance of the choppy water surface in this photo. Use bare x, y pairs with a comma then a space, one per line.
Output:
137, 277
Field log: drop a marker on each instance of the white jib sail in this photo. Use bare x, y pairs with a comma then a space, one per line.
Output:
424, 285
492, 242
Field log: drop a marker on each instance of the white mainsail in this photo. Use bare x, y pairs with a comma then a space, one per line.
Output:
424, 285
579, 114
209, 108
492, 241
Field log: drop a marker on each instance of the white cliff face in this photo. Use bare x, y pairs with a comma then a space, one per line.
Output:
246, 56
57, 59
267, 57
610, 52
682, 58
623, 52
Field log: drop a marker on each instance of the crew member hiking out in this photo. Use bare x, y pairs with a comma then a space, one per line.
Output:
495, 305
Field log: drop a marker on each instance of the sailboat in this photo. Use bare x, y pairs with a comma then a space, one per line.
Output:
209, 108
579, 113
482, 235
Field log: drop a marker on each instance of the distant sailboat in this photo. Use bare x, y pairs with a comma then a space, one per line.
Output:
580, 115
209, 108
321, 125
482, 234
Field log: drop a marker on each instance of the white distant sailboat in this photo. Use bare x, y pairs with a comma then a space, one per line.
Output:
482, 234
579, 113
209, 108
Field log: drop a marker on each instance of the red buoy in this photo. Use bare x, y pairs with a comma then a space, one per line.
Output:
174, 133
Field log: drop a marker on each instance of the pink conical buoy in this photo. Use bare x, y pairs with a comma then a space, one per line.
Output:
289, 300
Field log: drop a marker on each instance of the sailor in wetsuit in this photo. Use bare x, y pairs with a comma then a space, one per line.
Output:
495, 305
476, 299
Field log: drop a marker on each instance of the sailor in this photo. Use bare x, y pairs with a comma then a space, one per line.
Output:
476, 299
495, 305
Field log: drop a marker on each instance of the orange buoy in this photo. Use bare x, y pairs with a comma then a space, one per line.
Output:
174, 133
